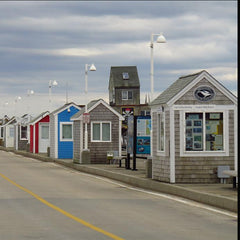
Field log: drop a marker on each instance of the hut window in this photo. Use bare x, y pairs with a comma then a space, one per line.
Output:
11, 131
161, 132
204, 131
1, 136
23, 133
101, 131
44, 132
66, 132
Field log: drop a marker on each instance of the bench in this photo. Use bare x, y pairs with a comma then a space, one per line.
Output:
232, 174
118, 159
114, 157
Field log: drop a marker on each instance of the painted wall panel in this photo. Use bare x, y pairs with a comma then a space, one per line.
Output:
65, 148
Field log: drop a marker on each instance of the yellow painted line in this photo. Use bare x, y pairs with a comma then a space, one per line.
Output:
62, 211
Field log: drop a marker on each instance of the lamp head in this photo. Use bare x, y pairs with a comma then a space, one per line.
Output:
92, 68
54, 83
161, 39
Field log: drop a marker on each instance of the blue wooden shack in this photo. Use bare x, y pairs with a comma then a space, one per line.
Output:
61, 131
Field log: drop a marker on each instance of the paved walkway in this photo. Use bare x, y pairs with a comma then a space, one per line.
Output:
225, 190
218, 195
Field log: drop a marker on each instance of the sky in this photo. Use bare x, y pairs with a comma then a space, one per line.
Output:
42, 41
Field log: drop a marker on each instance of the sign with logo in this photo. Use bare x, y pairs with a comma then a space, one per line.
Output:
204, 93
86, 118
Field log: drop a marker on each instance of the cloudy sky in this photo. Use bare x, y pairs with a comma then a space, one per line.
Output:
42, 41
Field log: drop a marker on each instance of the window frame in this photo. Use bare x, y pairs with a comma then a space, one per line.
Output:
22, 138
204, 152
41, 127
101, 128
61, 132
127, 95
1, 132
161, 116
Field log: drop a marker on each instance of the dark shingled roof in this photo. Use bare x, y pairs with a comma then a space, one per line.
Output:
89, 105
175, 88
117, 78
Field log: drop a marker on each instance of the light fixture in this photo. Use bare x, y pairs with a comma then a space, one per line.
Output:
92, 68
161, 39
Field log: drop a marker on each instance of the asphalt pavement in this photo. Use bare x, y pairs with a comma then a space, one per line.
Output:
221, 196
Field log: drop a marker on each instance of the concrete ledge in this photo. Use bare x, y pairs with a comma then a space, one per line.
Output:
149, 184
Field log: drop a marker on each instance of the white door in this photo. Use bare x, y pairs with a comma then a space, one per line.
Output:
10, 136
43, 137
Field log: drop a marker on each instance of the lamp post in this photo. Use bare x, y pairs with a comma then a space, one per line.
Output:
92, 68
50, 85
160, 39
29, 93
17, 99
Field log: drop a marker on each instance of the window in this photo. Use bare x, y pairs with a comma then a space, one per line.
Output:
44, 132
11, 131
204, 131
125, 76
101, 131
23, 132
127, 95
66, 132
161, 132
1, 134
145, 113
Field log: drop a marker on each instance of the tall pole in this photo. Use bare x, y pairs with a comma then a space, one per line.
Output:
50, 85
50, 95
92, 68
151, 72
161, 39
86, 110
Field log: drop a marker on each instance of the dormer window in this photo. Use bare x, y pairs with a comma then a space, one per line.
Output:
125, 75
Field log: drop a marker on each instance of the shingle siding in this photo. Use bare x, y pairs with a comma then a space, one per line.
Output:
98, 150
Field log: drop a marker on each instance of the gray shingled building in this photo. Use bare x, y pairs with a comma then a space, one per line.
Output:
194, 130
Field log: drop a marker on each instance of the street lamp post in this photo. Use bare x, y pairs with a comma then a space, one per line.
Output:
92, 68
160, 39
17, 99
50, 85
29, 93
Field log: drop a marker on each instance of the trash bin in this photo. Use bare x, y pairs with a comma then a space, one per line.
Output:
86, 156
148, 166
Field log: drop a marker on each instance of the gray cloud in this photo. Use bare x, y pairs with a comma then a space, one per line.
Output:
40, 41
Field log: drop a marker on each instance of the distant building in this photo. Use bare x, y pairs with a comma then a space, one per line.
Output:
124, 94
22, 132
39, 133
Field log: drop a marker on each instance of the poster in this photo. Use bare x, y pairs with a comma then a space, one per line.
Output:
143, 135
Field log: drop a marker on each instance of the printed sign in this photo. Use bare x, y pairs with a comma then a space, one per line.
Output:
143, 135
86, 118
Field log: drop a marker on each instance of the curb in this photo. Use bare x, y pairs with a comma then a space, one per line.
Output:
148, 184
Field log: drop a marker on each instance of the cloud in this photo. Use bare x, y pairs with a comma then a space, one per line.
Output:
45, 40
